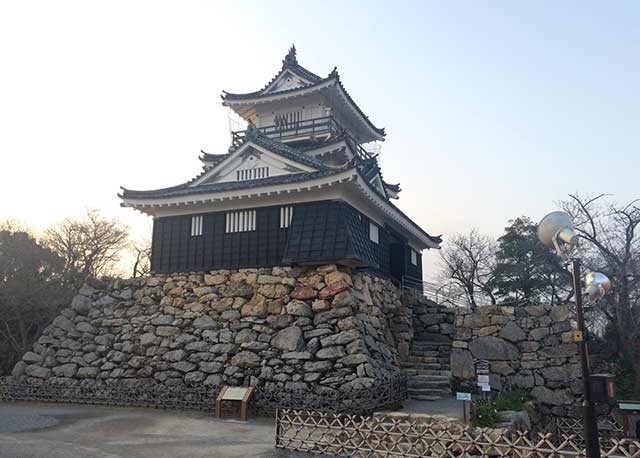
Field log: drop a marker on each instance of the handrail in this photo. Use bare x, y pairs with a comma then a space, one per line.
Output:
314, 126
441, 294
447, 294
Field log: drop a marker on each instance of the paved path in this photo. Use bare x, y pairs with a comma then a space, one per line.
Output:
37, 430
447, 409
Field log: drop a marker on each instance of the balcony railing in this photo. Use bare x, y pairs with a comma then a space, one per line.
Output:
307, 129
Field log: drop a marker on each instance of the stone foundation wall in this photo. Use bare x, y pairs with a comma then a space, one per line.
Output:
290, 328
528, 347
431, 321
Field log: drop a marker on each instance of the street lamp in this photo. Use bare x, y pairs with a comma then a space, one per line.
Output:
596, 285
556, 230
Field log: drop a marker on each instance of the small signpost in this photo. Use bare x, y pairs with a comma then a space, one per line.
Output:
466, 405
234, 393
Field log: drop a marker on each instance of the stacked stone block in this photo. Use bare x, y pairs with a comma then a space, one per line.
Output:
528, 347
290, 328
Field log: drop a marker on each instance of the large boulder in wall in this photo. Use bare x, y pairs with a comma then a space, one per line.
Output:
493, 349
462, 364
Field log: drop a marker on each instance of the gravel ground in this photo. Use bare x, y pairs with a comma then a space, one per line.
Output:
35, 430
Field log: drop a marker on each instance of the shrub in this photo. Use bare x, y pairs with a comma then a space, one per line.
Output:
625, 384
514, 400
487, 416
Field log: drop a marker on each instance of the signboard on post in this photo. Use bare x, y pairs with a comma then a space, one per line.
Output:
482, 371
466, 405
234, 393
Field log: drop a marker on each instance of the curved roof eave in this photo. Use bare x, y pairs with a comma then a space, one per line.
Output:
230, 99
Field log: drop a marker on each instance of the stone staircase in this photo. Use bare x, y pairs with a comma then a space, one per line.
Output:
428, 368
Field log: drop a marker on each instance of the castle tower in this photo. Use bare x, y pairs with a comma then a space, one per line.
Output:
295, 187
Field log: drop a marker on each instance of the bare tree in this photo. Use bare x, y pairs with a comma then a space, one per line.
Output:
141, 257
469, 260
90, 247
613, 247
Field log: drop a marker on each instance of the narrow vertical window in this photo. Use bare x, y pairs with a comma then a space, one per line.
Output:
286, 215
373, 233
196, 225
414, 258
241, 221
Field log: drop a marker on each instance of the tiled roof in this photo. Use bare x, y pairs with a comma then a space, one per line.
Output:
185, 189
255, 136
327, 142
290, 62
393, 187
333, 76
213, 158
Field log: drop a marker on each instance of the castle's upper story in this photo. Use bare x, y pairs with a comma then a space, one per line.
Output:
303, 106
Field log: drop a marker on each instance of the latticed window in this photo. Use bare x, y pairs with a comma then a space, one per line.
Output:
286, 120
240, 221
196, 225
252, 174
286, 214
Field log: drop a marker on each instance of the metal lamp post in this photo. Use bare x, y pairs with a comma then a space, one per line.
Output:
556, 230
590, 423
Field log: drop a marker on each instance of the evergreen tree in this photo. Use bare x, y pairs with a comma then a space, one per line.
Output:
526, 270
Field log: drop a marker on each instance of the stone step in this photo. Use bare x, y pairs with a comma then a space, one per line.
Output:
415, 352
445, 373
427, 359
429, 378
429, 343
411, 371
439, 341
429, 392
426, 366
420, 397
439, 349
437, 385
432, 337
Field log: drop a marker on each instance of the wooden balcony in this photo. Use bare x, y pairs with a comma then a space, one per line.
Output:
304, 131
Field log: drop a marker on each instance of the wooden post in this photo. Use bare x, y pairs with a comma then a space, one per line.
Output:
244, 406
219, 402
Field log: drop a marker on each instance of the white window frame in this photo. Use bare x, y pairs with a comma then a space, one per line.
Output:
252, 174
240, 221
196, 225
414, 257
374, 232
286, 215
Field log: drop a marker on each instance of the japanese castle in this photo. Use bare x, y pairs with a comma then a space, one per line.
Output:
295, 187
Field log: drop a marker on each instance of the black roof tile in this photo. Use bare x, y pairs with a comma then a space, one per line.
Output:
290, 62
185, 189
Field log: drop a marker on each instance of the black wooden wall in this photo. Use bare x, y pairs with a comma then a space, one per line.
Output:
411, 270
175, 250
326, 231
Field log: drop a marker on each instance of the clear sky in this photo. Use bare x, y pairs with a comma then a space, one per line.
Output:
493, 109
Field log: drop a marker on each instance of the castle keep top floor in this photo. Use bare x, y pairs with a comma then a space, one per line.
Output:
296, 97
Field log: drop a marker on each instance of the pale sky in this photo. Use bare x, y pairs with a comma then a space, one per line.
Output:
493, 109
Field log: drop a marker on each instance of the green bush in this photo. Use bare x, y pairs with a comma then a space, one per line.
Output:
514, 400
487, 416
624, 384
